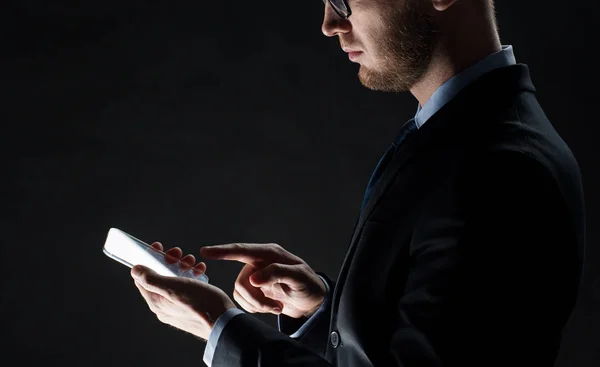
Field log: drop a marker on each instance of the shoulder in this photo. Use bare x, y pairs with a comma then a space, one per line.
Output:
515, 183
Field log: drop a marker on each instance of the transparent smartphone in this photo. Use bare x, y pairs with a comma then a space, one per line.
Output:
131, 251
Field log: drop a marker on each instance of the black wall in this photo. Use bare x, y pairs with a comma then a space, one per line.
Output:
215, 122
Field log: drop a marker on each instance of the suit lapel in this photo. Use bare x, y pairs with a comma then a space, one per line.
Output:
399, 160
405, 153
408, 151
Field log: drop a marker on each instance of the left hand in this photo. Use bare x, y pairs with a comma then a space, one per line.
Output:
187, 304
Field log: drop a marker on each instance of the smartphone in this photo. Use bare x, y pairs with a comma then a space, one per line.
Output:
130, 251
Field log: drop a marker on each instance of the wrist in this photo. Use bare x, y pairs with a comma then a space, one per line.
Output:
323, 290
312, 311
211, 317
309, 314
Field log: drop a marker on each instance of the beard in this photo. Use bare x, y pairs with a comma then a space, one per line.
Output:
405, 50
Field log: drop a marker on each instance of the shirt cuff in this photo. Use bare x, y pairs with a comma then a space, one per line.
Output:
310, 320
213, 338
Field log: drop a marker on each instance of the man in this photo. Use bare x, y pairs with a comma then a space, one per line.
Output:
469, 246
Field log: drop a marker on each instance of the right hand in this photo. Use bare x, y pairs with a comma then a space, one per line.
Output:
272, 278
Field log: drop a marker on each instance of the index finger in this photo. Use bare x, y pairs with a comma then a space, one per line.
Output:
248, 253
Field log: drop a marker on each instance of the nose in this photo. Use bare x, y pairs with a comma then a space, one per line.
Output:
333, 24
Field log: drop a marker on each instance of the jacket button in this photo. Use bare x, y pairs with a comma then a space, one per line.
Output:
334, 339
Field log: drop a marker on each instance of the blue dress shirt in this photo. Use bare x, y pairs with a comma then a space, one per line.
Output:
439, 98
452, 86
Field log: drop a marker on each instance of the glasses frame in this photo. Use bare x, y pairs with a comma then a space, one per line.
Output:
343, 13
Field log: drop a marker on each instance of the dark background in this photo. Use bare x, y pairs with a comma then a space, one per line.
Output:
212, 122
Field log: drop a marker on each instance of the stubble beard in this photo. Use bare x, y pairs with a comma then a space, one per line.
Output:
405, 52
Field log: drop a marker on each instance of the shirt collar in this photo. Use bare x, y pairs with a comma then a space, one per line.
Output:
452, 86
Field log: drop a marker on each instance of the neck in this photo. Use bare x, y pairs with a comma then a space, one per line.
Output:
459, 48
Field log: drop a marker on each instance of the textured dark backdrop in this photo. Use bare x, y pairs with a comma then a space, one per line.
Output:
214, 122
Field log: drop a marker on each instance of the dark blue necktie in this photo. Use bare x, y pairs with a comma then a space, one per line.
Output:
406, 129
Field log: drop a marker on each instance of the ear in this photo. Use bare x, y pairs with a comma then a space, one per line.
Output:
441, 5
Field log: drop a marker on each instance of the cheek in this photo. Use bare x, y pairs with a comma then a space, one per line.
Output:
371, 32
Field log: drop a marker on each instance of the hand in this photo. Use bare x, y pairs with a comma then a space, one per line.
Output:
272, 278
187, 304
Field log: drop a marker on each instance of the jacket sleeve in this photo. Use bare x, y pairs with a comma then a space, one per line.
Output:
247, 341
213, 338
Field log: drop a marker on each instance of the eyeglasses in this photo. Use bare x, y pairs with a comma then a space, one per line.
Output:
341, 7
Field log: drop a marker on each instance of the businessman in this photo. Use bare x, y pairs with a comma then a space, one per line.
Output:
470, 242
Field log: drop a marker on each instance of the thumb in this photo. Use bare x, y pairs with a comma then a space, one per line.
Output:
138, 272
152, 281
291, 275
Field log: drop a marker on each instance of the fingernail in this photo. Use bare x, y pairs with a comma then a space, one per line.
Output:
135, 272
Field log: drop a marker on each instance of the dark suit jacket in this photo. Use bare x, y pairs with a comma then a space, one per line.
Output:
470, 249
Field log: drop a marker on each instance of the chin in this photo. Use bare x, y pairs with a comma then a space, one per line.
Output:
385, 81
375, 80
